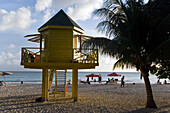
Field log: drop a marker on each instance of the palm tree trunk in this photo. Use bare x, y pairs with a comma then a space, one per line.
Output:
150, 101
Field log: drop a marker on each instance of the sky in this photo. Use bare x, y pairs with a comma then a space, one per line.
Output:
22, 17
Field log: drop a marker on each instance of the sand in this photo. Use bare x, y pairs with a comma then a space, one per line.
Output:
92, 99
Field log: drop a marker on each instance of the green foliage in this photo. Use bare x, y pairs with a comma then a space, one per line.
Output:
139, 33
162, 69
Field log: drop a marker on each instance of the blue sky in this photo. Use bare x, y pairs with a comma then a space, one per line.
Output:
21, 17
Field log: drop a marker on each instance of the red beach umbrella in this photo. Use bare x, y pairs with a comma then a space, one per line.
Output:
113, 74
92, 75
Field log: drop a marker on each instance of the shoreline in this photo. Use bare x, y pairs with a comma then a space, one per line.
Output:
92, 82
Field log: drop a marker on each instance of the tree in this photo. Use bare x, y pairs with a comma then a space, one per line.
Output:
138, 35
162, 70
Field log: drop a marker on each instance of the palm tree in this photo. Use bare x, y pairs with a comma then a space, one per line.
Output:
137, 32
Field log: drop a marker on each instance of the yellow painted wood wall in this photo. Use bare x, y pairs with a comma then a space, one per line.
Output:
59, 44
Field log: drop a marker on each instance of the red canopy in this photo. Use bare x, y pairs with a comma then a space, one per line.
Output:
92, 75
113, 74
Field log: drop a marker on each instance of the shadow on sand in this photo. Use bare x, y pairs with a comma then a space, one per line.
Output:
13, 103
150, 110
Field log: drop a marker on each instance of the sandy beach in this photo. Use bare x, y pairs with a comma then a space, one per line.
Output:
92, 99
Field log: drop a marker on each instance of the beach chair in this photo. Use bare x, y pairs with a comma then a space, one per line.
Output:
113, 81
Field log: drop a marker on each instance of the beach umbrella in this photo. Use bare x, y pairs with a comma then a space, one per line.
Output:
4, 74
113, 74
92, 75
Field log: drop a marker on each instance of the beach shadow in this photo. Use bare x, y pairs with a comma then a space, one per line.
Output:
18, 97
15, 100
149, 110
28, 101
27, 105
143, 110
165, 106
61, 100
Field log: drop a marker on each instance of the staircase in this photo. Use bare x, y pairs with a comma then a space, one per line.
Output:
60, 81
51, 76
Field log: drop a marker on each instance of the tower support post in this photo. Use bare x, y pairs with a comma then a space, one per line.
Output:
75, 84
45, 84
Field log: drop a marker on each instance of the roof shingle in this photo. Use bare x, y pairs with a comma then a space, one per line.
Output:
61, 19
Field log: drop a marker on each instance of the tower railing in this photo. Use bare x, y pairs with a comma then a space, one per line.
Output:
85, 55
35, 55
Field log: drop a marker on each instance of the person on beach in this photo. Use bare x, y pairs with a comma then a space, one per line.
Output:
100, 78
108, 81
87, 79
1, 84
88, 82
69, 81
122, 81
94, 80
32, 58
158, 82
165, 82
113, 80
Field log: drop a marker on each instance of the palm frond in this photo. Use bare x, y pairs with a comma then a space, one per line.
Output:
98, 42
124, 63
162, 50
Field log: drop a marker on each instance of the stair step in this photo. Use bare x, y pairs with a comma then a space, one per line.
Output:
59, 91
61, 87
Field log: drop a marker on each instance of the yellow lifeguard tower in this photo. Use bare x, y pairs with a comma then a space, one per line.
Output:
60, 48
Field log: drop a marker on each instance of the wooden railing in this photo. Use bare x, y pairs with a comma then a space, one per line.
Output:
85, 55
34, 55
31, 54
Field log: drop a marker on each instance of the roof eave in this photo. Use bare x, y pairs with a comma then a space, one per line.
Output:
79, 30
54, 27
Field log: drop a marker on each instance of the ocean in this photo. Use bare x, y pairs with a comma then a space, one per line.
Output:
32, 77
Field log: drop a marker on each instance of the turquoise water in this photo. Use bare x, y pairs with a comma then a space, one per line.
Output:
36, 77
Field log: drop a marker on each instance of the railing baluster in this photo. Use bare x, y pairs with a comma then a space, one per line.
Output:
79, 55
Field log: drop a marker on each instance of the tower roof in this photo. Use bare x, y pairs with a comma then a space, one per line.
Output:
61, 19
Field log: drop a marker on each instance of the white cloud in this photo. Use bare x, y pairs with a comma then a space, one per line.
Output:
2, 58
83, 9
77, 9
9, 58
105, 63
19, 19
10, 55
11, 46
47, 15
16, 62
63, 3
41, 5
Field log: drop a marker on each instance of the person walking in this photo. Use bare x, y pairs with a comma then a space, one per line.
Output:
122, 81
100, 78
